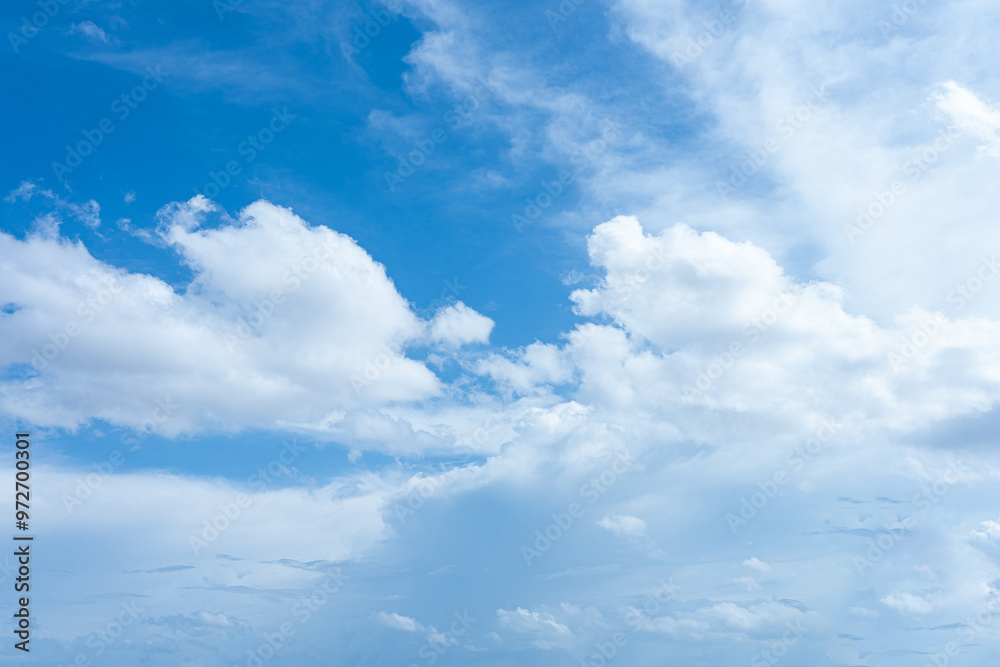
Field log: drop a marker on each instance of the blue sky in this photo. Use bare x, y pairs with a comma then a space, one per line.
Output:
576, 333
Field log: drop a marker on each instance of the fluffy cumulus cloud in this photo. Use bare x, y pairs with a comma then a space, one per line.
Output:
537, 365
640, 413
767, 434
281, 322
856, 129
695, 321
681, 287
458, 325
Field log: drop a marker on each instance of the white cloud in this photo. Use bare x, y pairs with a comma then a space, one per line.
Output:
986, 538
863, 612
91, 31
748, 582
89, 212
740, 617
672, 301
281, 323
458, 324
623, 525
719, 324
907, 603
25, 191
537, 364
346, 515
878, 125
679, 287
970, 114
267, 334
726, 619
988, 531
398, 622
197, 534
547, 632
757, 564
